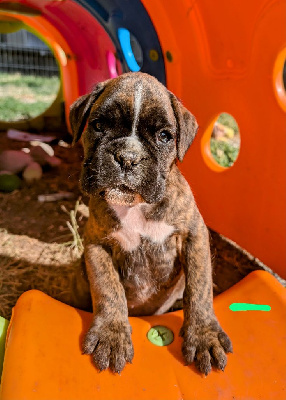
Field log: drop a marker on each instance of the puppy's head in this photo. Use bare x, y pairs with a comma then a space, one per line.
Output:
135, 131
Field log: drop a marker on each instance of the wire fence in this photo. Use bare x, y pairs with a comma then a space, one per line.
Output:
22, 52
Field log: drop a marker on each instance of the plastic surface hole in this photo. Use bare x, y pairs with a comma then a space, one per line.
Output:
279, 79
29, 77
221, 143
284, 76
153, 55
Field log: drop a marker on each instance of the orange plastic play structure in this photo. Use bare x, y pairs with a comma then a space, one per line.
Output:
229, 57
43, 358
219, 57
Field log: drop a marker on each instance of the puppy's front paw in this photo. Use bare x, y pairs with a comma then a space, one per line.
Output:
110, 345
206, 345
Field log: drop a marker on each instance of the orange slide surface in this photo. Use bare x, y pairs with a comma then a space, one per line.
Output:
43, 354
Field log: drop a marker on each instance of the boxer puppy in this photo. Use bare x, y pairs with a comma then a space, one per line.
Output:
146, 244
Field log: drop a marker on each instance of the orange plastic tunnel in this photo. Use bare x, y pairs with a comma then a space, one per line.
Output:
216, 57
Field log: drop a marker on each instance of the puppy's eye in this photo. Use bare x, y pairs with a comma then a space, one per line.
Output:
164, 136
97, 126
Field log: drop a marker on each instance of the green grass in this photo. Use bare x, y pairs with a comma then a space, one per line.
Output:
225, 149
227, 120
224, 153
12, 109
24, 97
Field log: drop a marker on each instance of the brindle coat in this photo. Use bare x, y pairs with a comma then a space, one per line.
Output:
146, 244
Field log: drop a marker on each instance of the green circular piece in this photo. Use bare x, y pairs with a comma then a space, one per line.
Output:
160, 335
8, 183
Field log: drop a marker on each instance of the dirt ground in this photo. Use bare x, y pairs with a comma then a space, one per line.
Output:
39, 251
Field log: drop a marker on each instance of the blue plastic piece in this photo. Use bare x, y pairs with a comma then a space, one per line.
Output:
125, 43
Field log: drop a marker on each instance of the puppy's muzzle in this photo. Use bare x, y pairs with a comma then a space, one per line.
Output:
128, 153
127, 159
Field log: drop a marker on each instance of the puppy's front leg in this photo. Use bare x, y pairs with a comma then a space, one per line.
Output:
203, 338
109, 337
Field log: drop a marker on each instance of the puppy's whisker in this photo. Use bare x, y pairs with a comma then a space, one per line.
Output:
89, 177
72, 175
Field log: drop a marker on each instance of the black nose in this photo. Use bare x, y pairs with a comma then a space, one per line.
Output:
126, 158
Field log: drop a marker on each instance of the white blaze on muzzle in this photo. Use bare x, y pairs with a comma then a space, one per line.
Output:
138, 94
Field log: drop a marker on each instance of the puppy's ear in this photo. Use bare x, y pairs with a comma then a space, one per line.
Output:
80, 110
186, 126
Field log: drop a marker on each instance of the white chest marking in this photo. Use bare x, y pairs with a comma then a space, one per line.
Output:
135, 226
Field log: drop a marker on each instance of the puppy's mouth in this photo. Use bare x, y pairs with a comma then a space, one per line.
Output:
122, 196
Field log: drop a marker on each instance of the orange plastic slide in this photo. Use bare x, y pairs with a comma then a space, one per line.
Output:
43, 356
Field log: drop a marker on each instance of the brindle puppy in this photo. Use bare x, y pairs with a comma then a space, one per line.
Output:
146, 244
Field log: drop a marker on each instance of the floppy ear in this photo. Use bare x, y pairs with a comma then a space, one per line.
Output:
186, 126
80, 110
